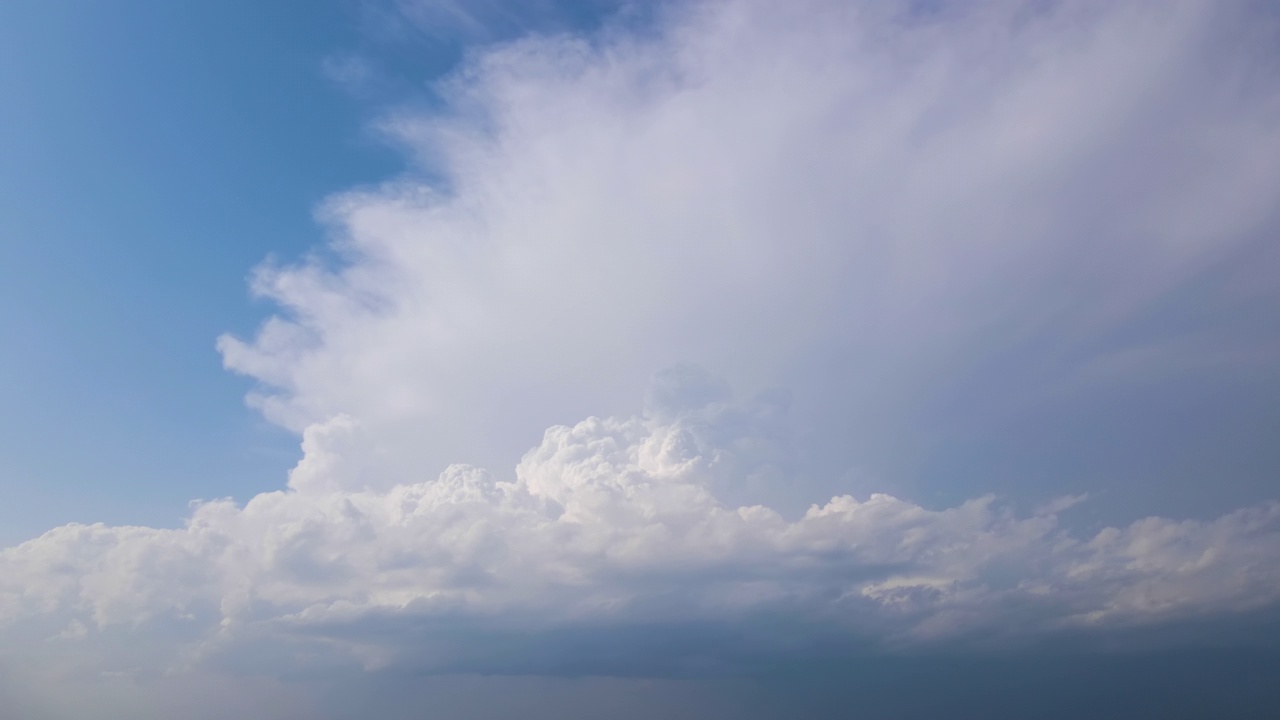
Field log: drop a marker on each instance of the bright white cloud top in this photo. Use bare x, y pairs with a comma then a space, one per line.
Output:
857, 205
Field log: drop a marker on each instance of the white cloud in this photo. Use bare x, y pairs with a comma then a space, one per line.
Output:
857, 204
863, 205
608, 524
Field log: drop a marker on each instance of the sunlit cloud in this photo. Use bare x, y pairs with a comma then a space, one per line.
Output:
584, 377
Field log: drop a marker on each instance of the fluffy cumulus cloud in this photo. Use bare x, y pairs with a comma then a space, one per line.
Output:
842, 211
609, 528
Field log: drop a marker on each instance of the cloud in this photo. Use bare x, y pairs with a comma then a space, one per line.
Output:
865, 219
610, 549
910, 220
351, 72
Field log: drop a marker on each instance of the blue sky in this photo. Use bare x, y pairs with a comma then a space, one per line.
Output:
649, 342
153, 154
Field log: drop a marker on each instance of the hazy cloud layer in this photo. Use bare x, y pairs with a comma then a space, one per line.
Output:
862, 217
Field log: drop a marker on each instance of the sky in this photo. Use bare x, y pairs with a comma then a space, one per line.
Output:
705, 358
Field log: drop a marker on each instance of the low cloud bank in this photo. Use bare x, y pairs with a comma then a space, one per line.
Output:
610, 542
